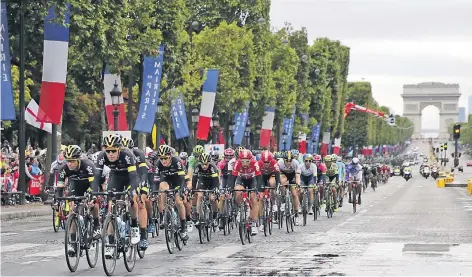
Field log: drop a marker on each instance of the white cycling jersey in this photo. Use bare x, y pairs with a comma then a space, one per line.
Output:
310, 171
293, 167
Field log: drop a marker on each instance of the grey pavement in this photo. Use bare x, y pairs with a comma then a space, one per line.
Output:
24, 211
403, 228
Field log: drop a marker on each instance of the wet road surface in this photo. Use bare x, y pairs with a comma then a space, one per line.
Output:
404, 228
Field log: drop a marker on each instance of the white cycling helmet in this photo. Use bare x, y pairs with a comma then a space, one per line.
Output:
355, 160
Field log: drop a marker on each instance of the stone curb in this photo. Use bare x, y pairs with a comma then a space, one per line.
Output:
34, 211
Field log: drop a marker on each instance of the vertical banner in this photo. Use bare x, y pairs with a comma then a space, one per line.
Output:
325, 143
302, 143
109, 81
267, 125
240, 121
337, 146
56, 51
7, 105
288, 129
152, 72
179, 118
208, 103
315, 136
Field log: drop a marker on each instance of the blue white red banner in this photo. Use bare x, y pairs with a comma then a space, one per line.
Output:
240, 121
315, 139
152, 72
179, 117
208, 103
7, 105
288, 129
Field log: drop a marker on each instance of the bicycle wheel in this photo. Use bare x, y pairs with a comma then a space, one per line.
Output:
354, 198
169, 230
208, 221
225, 218
304, 207
56, 220
178, 239
91, 245
315, 205
129, 250
155, 219
270, 216
288, 212
110, 222
280, 214
265, 217
71, 264
242, 223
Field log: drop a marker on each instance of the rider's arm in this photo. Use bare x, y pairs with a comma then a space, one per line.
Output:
99, 164
90, 170
195, 178
141, 164
277, 172
214, 176
62, 175
298, 172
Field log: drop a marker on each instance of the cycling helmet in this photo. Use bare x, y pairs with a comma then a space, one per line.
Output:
214, 155
164, 150
127, 142
295, 152
308, 157
183, 155
221, 157
229, 153
317, 158
328, 158
112, 140
258, 156
172, 150
72, 152
197, 150
204, 158
340, 159
355, 160
238, 150
266, 156
246, 154
287, 156
334, 157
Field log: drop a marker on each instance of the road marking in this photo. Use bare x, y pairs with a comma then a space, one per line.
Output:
154, 248
221, 251
18, 246
39, 229
370, 206
9, 234
54, 253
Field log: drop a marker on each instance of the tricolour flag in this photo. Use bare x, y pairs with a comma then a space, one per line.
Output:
109, 81
267, 125
53, 86
337, 146
325, 143
208, 102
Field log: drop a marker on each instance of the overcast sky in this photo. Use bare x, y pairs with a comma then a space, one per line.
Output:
393, 42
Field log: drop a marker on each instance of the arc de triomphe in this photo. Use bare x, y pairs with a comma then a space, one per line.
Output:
445, 97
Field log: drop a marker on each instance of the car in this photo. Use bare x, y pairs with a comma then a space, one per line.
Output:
469, 163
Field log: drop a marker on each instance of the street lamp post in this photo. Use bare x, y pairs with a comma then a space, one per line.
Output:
115, 94
216, 125
284, 139
248, 133
158, 124
195, 117
231, 130
295, 141
258, 136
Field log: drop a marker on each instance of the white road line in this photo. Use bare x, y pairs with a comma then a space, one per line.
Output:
39, 229
53, 253
220, 251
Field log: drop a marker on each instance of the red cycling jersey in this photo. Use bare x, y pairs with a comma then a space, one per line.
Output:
269, 168
248, 172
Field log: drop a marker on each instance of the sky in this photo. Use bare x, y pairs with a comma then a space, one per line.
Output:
393, 42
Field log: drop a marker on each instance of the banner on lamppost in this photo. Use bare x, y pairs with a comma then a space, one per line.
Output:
240, 121
7, 104
152, 74
179, 117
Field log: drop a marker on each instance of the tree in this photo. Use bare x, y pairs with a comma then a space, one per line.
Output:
357, 129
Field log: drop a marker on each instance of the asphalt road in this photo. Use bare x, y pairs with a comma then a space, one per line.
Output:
403, 228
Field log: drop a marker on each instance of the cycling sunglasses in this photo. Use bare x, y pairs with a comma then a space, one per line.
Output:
164, 158
111, 150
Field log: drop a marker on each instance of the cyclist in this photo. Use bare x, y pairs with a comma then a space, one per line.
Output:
193, 159
290, 171
342, 177
320, 174
333, 175
246, 174
80, 173
183, 157
171, 175
123, 176
214, 156
270, 172
308, 174
53, 176
144, 206
224, 166
206, 174
354, 172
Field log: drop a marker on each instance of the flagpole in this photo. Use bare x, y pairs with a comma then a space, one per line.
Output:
54, 142
22, 131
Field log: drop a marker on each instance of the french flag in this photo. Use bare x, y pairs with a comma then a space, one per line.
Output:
208, 102
302, 143
266, 128
109, 81
56, 51
325, 143
369, 150
337, 146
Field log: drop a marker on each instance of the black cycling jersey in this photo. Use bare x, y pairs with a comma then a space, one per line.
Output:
122, 170
141, 165
80, 179
173, 174
208, 178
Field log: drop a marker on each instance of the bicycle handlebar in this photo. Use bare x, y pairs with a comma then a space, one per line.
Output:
243, 190
72, 198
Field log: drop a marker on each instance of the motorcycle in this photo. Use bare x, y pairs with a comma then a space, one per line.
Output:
434, 173
407, 174
426, 172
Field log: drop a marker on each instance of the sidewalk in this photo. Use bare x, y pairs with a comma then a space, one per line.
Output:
28, 210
